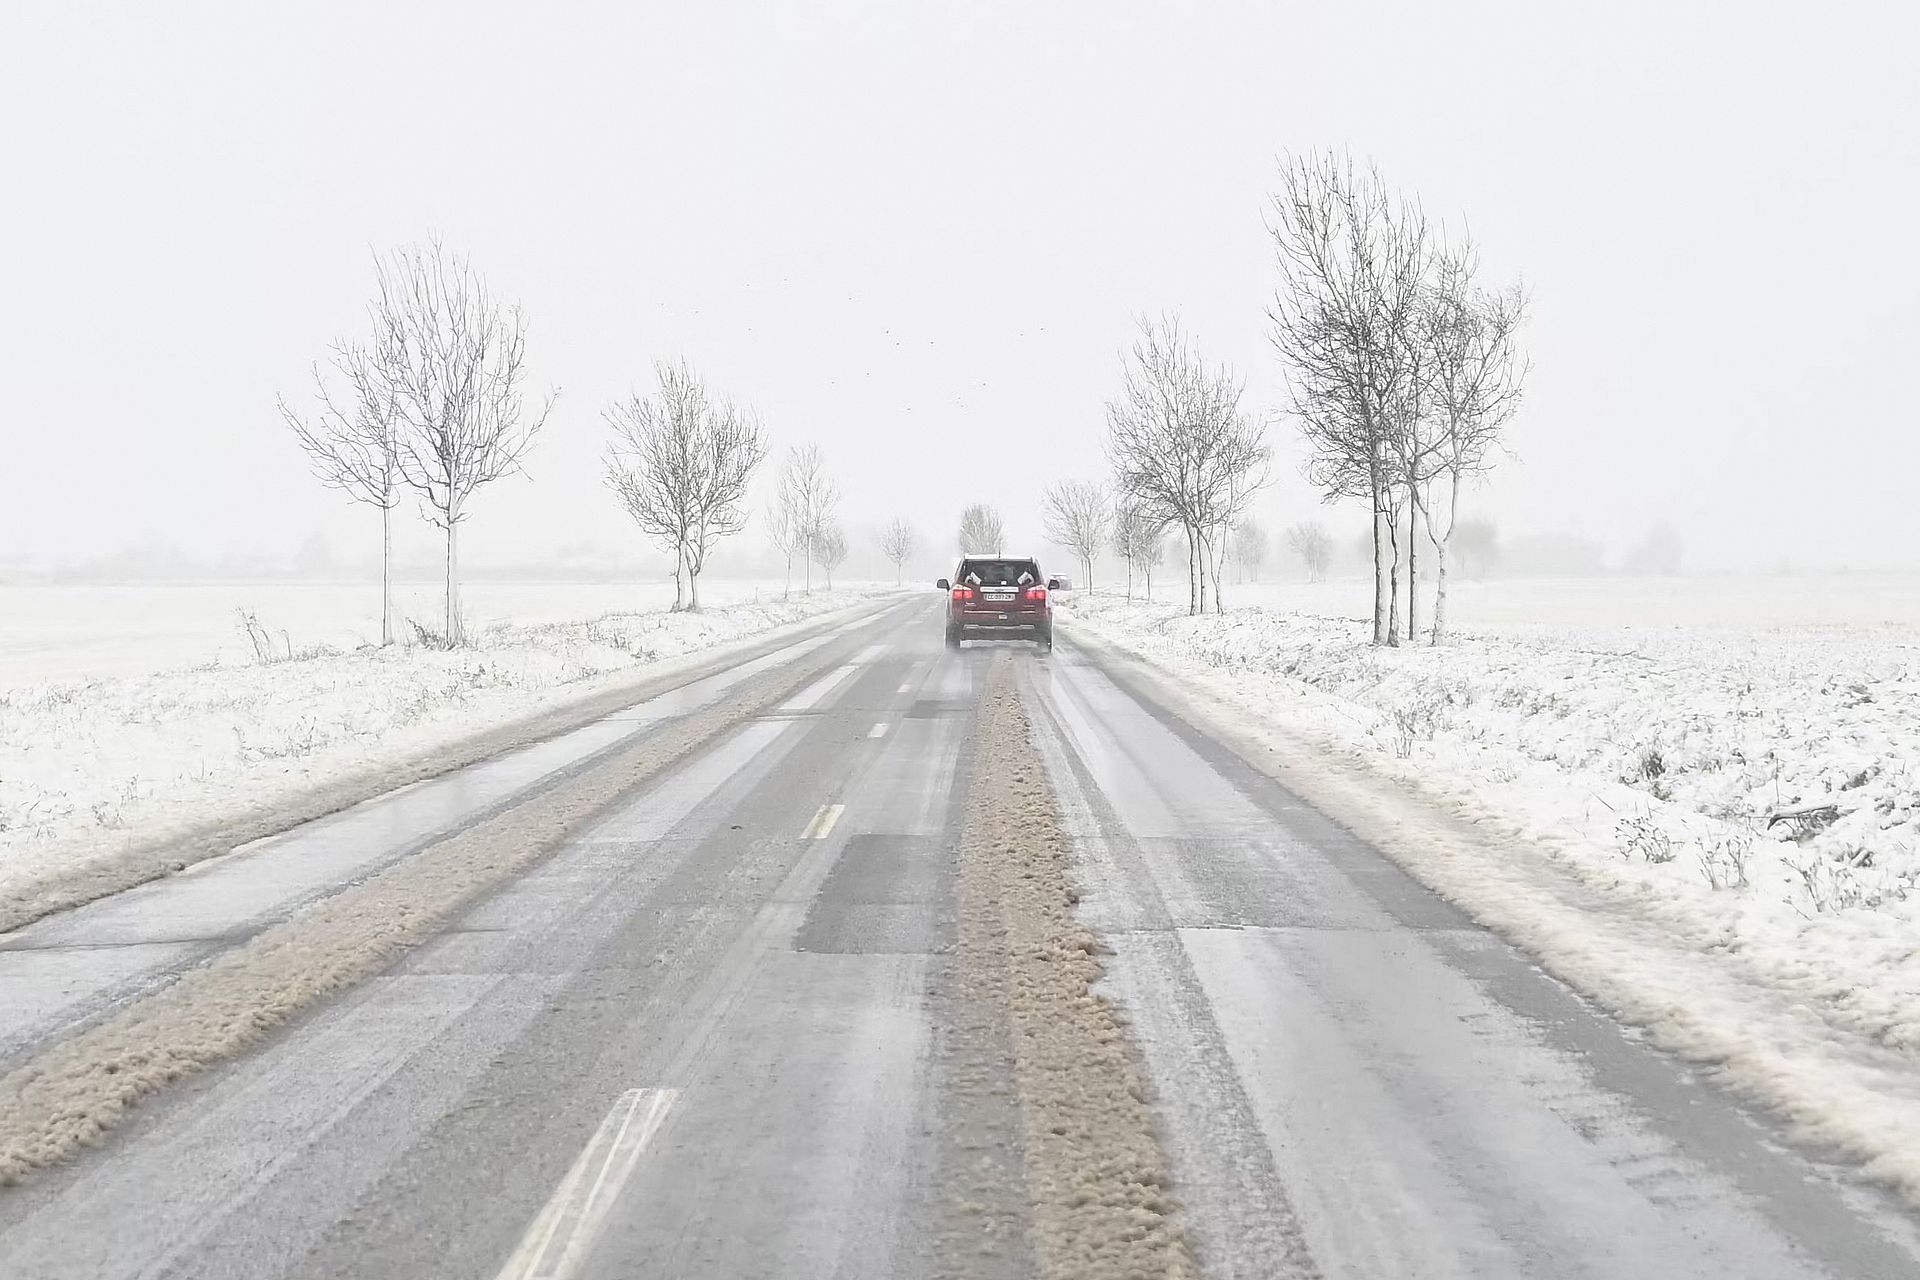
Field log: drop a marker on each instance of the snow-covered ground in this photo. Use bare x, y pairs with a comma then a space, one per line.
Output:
85, 631
94, 764
1746, 793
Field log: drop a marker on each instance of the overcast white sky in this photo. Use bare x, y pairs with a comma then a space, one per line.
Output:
918, 237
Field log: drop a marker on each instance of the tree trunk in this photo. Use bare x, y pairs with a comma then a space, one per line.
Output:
1200, 561
1194, 583
455, 636
1443, 544
1222, 557
1413, 563
1379, 576
1393, 574
693, 588
386, 575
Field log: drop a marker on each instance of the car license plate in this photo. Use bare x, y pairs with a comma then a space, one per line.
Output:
1000, 597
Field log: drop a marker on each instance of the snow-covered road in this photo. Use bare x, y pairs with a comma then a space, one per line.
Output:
789, 983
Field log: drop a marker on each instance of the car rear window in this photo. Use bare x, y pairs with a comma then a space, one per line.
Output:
998, 573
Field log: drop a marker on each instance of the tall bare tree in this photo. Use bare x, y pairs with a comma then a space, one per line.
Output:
1475, 377
981, 531
1249, 546
1182, 452
782, 526
1310, 541
1353, 262
1079, 516
830, 549
350, 443
812, 499
681, 461
450, 358
1137, 540
896, 544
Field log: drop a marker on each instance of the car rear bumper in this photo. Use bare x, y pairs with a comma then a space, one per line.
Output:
1001, 622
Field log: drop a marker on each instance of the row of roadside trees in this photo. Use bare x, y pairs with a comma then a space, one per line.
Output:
1402, 370
433, 402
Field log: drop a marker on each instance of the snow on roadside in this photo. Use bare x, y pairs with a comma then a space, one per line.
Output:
89, 768
1631, 774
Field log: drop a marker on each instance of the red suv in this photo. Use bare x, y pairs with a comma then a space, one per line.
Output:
995, 593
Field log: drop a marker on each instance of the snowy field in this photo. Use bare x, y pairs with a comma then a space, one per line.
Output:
1731, 768
96, 761
80, 632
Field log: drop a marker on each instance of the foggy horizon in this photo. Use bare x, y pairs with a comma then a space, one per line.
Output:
913, 285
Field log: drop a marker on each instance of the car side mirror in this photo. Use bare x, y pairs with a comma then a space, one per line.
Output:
1053, 584
944, 585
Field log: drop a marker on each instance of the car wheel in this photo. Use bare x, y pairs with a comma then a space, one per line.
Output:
1045, 639
953, 637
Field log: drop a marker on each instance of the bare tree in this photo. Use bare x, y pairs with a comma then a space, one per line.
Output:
1182, 452
349, 441
812, 499
1475, 377
981, 532
1353, 261
1153, 550
1250, 546
1310, 541
1660, 553
681, 462
784, 533
1137, 540
830, 549
896, 544
450, 358
1078, 517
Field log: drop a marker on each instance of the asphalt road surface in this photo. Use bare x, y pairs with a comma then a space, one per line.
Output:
720, 1031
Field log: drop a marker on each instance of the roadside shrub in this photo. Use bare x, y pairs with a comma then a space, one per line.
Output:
1724, 859
1640, 836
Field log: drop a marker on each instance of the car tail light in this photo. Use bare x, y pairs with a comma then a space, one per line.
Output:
1037, 594
963, 593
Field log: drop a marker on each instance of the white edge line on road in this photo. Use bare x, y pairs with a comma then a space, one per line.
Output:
878, 731
823, 820
872, 653
557, 1242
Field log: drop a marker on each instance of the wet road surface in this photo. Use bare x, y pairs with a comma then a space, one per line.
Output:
717, 1034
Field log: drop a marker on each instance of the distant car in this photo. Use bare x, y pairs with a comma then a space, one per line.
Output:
1062, 585
1002, 595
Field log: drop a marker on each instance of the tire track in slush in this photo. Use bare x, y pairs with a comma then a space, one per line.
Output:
1096, 1176
73, 1093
